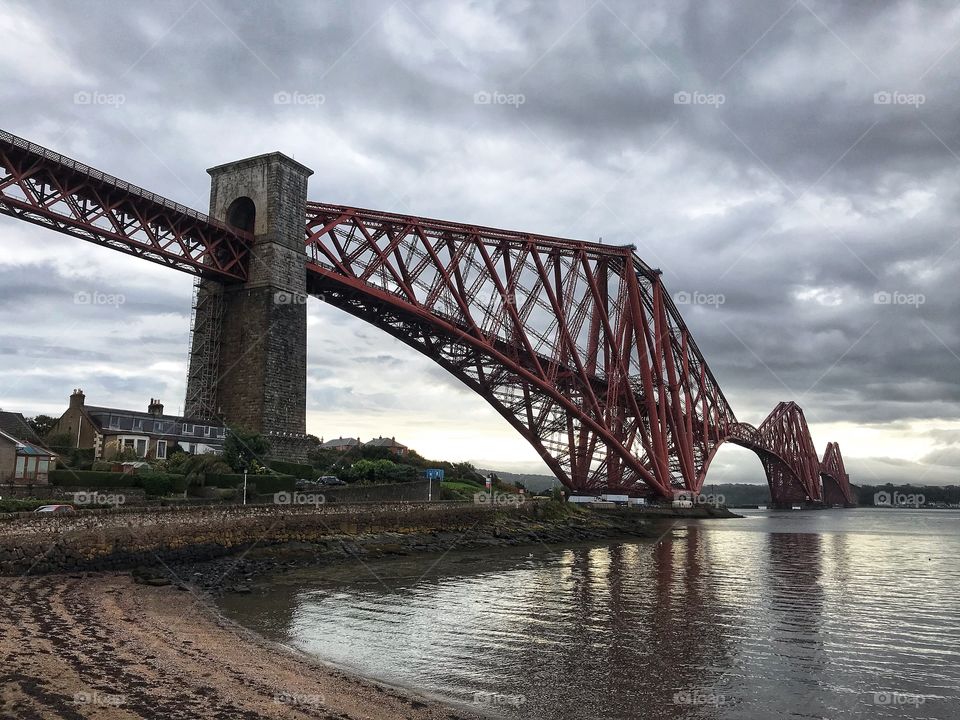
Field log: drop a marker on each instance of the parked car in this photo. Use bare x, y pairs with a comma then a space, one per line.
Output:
55, 509
330, 480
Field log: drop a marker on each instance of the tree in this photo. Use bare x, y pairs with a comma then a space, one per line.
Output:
369, 470
122, 455
58, 440
197, 468
467, 472
324, 460
42, 424
242, 447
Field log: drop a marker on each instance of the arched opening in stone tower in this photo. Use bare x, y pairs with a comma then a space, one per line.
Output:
242, 213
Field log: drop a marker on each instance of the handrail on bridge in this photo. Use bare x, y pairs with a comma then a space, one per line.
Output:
101, 176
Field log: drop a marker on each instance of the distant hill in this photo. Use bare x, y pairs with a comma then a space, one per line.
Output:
533, 483
740, 493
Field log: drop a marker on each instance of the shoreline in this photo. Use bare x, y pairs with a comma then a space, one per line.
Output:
126, 539
151, 642
102, 646
234, 572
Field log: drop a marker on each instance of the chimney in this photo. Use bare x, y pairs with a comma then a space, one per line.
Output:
155, 407
77, 398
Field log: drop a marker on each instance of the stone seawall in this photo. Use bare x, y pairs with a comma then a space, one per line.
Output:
130, 537
415, 491
66, 494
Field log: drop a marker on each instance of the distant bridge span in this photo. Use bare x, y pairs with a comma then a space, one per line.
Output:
577, 345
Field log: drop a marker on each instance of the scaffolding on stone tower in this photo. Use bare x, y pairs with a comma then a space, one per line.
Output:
203, 373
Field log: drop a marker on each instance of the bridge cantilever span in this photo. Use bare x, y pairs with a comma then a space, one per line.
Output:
46, 188
578, 345
836, 482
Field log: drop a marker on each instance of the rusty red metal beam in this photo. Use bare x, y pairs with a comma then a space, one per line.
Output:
48, 189
836, 482
577, 344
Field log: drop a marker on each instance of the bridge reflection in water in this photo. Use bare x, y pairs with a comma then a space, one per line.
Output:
784, 615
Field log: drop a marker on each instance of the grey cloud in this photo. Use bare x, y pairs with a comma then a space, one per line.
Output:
797, 199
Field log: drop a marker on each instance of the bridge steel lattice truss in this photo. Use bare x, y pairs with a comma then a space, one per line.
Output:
577, 345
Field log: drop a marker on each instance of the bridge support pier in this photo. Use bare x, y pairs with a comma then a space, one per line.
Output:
248, 356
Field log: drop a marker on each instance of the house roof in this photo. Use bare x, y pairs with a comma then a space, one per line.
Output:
26, 448
340, 442
16, 425
385, 442
170, 430
98, 410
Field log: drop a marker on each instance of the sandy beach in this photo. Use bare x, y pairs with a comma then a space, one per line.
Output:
101, 646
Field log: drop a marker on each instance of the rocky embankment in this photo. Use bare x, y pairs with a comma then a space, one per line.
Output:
551, 527
117, 540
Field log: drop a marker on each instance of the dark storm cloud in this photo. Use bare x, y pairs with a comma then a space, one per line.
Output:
820, 199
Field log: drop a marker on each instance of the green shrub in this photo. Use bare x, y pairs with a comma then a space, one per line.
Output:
24, 505
77, 458
198, 469
153, 483
379, 471
273, 483
242, 447
296, 469
158, 483
92, 478
259, 483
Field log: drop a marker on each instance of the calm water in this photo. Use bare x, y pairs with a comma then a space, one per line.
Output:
831, 614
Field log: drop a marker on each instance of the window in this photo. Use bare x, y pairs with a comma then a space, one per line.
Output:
187, 429
42, 467
208, 431
20, 461
114, 422
161, 449
193, 448
128, 444
137, 424
142, 447
31, 466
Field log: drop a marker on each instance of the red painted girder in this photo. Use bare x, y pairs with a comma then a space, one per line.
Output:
832, 469
54, 191
588, 324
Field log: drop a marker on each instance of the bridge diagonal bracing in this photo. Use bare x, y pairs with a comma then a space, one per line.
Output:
577, 345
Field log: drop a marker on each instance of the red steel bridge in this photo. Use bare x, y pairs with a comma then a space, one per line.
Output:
577, 345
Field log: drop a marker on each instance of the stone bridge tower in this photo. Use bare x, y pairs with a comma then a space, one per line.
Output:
248, 350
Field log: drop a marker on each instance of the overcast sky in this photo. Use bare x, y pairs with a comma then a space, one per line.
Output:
790, 166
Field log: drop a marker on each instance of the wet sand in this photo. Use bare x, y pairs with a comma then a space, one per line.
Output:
101, 646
